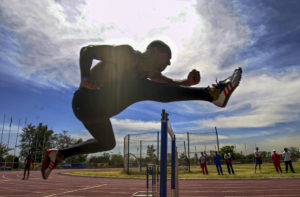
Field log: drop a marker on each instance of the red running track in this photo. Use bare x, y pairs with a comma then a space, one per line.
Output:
11, 185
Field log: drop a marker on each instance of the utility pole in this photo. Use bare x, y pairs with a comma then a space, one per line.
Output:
16, 144
188, 146
217, 139
2, 128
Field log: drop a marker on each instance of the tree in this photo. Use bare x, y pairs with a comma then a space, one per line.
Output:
183, 160
227, 149
103, 159
76, 158
265, 154
35, 141
9, 158
3, 150
295, 154
151, 151
116, 161
238, 156
151, 156
63, 140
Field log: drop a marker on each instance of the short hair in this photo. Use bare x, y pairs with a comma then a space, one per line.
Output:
160, 45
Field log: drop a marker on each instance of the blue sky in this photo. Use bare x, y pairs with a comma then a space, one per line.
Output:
39, 71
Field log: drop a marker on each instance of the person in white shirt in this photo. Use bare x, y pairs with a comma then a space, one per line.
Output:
203, 163
287, 160
258, 160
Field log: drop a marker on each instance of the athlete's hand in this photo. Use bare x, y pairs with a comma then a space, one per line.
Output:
85, 82
193, 78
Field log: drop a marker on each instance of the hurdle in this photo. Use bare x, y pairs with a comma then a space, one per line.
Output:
166, 130
153, 171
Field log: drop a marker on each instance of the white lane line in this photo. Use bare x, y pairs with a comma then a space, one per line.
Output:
70, 191
5, 178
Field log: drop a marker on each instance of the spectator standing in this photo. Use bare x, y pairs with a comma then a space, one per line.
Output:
287, 160
217, 159
276, 161
228, 160
258, 160
203, 163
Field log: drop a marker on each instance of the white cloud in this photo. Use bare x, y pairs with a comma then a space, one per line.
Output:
51, 34
134, 125
273, 99
217, 36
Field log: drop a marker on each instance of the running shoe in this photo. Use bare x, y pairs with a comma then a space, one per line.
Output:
223, 89
49, 163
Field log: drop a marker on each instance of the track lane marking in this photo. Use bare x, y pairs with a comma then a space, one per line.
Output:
70, 191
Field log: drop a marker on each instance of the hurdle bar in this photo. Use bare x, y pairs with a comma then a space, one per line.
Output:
165, 130
151, 170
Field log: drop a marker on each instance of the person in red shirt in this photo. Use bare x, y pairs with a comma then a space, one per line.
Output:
276, 161
203, 159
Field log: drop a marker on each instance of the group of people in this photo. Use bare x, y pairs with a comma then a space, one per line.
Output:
276, 160
258, 161
217, 159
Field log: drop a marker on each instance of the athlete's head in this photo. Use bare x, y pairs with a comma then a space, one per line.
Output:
158, 54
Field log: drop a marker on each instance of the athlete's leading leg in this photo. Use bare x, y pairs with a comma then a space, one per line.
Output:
163, 92
143, 89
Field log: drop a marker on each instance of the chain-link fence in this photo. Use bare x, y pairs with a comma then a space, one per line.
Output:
143, 148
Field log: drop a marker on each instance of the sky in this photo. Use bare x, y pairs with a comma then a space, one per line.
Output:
39, 65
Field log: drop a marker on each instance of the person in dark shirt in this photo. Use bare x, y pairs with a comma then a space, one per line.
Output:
28, 162
228, 160
258, 160
122, 77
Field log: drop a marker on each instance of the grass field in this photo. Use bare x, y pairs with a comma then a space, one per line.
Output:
241, 171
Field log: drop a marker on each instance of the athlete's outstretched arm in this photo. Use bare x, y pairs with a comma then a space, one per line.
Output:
192, 79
